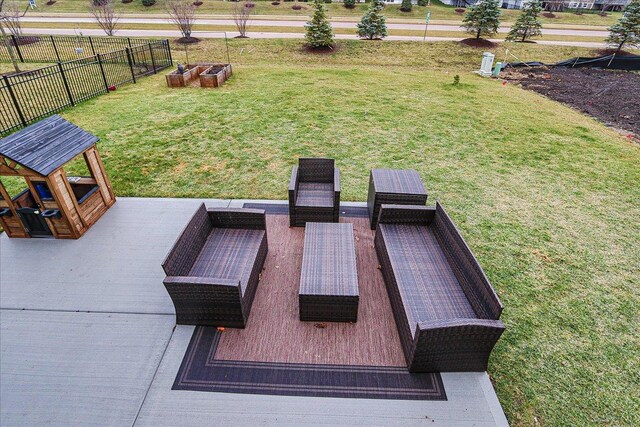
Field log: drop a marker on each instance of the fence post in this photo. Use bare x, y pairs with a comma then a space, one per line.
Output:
104, 77
153, 61
66, 84
15, 101
130, 60
15, 44
166, 45
55, 48
91, 44
129, 40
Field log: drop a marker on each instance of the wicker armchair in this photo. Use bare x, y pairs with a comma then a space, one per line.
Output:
213, 268
314, 192
445, 308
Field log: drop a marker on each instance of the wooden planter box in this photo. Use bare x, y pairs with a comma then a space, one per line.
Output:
191, 73
210, 74
215, 75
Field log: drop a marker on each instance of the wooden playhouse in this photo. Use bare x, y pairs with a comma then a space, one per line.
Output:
52, 204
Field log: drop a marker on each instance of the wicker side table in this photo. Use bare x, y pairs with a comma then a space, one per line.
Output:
329, 278
393, 186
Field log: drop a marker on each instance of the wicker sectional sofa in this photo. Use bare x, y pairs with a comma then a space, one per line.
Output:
213, 268
446, 311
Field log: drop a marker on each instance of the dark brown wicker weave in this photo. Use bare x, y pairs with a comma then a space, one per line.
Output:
213, 268
394, 186
314, 192
328, 278
445, 309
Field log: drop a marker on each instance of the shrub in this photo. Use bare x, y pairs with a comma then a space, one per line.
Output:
483, 18
527, 25
148, 3
423, 2
319, 33
373, 23
406, 6
349, 4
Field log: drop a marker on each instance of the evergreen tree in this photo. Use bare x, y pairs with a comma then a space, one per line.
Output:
372, 25
406, 6
627, 29
527, 25
483, 18
319, 33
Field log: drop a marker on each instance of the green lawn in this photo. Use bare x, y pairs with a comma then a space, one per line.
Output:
546, 197
438, 10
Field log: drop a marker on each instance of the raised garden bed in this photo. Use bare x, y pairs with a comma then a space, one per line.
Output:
208, 74
215, 75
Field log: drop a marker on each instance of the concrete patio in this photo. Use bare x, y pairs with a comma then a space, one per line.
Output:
88, 337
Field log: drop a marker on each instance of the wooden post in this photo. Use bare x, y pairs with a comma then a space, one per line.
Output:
15, 101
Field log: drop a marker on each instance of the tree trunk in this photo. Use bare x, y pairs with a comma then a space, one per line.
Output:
478, 34
524, 36
12, 54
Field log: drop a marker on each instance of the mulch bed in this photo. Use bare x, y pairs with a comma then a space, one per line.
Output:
187, 40
321, 50
608, 95
473, 42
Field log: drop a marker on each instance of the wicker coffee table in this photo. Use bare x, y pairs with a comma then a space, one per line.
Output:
329, 279
393, 186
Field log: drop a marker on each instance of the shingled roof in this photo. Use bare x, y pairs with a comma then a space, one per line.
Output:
46, 145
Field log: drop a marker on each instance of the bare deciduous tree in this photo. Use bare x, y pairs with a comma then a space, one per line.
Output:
105, 15
183, 14
10, 15
4, 20
241, 14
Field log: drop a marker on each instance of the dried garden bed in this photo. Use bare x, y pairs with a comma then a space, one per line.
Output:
610, 96
207, 74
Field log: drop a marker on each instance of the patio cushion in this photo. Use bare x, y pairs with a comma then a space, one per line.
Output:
315, 194
228, 253
427, 284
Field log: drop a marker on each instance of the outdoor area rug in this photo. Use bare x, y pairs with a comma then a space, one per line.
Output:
278, 354
201, 371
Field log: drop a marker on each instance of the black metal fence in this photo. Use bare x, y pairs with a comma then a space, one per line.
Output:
32, 95
44, 48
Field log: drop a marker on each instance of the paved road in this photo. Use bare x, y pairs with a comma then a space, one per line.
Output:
264, 35
301, 24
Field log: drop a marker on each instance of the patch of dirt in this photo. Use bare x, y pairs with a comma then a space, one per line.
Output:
187, 40
24, 40
608, 95
549, 15
478, 43
275, 3
127, 1
241, 37
197, 3
607, 52
321, 50
50, 2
